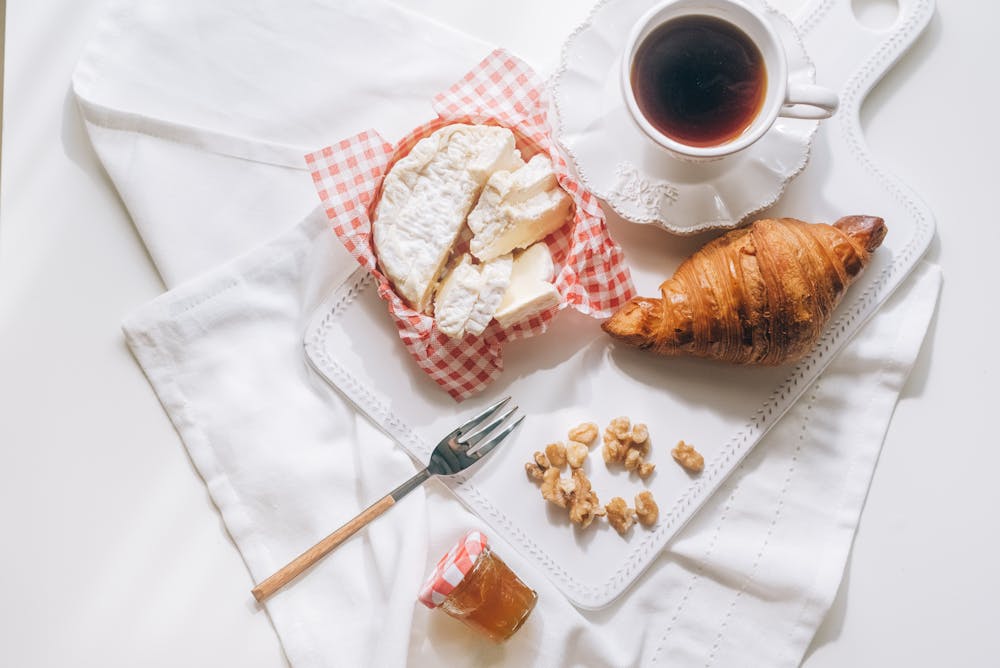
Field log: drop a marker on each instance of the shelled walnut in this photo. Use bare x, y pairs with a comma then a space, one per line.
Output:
556, 452
620, 516
628, 445
574, 493
585, 505
640, 435
613, 450
536, 469
632, 459
646, 509
688, 457
585, 433
576, 454
555, 488
620, 428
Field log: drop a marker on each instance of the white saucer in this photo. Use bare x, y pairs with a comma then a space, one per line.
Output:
639, 179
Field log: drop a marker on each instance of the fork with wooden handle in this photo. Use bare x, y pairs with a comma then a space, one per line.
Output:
456, 452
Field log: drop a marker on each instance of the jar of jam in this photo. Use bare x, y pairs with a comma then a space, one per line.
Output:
473, 585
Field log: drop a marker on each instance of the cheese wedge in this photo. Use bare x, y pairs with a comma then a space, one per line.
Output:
530, 291
496, 276
518, 208
426, 197
470, 294
456, 296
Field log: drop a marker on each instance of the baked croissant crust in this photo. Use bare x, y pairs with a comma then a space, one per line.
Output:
758, 295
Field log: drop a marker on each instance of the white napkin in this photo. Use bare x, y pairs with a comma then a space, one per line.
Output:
202, 112
199, 112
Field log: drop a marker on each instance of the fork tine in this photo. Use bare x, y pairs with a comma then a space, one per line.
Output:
481, 418
486, 447
471, 440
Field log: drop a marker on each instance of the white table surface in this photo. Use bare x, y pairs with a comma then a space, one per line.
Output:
113, 555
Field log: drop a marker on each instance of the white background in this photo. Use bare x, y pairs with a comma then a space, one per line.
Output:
111, 553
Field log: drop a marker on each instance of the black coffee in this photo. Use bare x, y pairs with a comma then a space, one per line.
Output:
699, 80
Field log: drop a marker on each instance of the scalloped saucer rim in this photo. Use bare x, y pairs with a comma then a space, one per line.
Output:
662, 189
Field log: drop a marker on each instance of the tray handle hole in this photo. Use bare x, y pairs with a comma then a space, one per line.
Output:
876, 14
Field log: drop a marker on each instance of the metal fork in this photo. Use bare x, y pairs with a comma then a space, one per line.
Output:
455, 452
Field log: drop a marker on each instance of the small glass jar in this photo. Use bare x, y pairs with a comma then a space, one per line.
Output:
474, 585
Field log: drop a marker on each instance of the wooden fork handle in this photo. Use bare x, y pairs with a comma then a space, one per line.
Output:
296, 567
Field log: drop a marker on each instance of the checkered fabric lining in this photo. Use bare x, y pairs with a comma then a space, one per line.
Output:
452, 568
591, 272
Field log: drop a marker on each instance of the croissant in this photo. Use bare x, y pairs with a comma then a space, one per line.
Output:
758, 295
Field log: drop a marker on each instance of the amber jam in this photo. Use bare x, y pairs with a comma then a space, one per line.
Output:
491, 598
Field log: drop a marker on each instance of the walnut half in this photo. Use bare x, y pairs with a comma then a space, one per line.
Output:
646, 509
688, 457
585, 505
556, 452
620, 516
535, 472
619, 428
613, 451
555, 489
585, 433
576, 454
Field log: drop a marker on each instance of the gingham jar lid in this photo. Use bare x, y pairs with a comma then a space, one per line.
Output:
452, 568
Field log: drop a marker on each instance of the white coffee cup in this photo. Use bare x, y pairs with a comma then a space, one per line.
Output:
781, 98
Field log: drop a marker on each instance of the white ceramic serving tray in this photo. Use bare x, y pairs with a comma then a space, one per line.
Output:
574, 373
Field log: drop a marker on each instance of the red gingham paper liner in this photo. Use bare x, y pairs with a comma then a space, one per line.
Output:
591, 273
452, 568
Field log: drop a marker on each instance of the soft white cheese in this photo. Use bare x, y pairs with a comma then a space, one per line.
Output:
426, 198
456, 296
470, 294
495, 281
518, 208
530, 291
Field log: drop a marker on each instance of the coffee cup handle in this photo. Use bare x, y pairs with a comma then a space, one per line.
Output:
809, 101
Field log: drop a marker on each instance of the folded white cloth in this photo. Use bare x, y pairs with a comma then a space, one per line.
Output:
197, 110
202, 112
